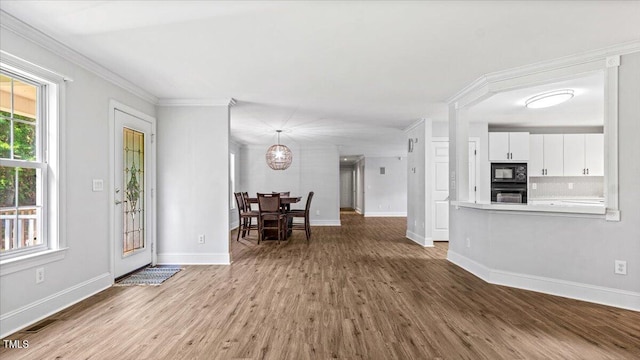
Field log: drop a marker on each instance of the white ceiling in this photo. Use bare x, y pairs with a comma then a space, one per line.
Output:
351, 73
586, 108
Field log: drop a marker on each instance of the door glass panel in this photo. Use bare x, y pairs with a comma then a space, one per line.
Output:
134, 188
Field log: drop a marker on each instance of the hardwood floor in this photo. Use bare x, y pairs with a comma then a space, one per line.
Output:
360, 291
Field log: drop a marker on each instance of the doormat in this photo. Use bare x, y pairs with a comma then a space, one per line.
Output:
149, 276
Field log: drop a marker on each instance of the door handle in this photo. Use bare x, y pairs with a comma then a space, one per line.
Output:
587, 171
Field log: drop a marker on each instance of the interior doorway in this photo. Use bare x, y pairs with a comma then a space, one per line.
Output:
347, 187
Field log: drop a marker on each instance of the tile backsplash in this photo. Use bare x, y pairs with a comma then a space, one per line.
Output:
557, 187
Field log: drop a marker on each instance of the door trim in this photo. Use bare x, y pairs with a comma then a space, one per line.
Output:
152, 238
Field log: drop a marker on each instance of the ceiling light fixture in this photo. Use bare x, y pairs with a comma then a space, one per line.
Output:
548, 99
279, 157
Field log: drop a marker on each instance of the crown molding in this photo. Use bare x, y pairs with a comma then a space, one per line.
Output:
196, 102
414, 125
26, 31
483, 82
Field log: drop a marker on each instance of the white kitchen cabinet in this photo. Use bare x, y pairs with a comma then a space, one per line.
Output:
509, 146
536, 155
594, 154
583, 155
546, 155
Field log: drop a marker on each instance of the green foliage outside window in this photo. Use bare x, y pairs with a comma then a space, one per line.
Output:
24, 148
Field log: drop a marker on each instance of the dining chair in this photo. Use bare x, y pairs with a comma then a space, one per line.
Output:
270, 216
244, 217
299, 213
254, 213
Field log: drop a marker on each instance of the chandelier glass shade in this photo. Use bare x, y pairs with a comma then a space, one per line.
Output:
279, 157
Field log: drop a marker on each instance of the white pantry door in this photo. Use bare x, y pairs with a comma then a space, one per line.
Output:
440, 192
133, 218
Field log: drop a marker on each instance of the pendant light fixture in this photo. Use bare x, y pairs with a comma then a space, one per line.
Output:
549, 99
278, 156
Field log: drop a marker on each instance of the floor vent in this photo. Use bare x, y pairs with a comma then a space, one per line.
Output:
41, 325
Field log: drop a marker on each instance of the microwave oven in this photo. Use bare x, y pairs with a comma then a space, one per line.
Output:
509, 173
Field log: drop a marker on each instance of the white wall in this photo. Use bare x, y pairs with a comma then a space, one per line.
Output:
566, 255
85, 268
193, 183
314, 168
385, 195
416, 186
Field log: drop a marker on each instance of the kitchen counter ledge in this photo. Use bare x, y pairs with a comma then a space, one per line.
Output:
576, 208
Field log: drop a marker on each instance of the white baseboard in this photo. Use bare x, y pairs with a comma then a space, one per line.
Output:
358, 210
586, 292
194, 259
419, 239
36, 311
385, 214
325, 223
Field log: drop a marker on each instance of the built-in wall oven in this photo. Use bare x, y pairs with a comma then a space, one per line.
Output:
509, 183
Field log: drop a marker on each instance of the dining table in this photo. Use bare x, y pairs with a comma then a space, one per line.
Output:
285, 205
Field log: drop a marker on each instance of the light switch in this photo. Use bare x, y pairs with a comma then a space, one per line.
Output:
98, 185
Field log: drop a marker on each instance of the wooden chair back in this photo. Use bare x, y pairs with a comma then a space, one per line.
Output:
269, 203
239, 202
247, 204
307, 207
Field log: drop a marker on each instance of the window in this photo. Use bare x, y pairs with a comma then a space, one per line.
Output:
232, 179
29, 158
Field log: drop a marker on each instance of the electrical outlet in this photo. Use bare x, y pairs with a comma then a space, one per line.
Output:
570, 186
97, 185
201, 239
39, 275
534, 186
317, 212
621, 267
468, 242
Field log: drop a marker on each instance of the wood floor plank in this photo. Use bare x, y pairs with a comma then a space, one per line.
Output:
360, 291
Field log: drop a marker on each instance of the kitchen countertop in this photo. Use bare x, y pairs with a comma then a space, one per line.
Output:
576, 206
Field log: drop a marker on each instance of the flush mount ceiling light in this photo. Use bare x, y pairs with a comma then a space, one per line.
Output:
279, 157
548, 99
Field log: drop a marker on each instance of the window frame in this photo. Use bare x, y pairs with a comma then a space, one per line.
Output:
53, 189
40, 163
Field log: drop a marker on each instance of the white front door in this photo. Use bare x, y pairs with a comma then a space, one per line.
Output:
133, 179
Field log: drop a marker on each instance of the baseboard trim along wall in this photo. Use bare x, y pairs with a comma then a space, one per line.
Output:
325, 223
596, 294
385, 214
30, 314
194, 259
419, 239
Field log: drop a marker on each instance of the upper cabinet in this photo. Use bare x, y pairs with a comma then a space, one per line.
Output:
546, 155
509, 146
583, 155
